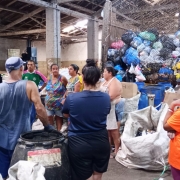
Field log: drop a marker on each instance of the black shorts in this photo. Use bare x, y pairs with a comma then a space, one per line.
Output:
89, 153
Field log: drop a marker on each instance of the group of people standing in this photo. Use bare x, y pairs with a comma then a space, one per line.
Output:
88, 104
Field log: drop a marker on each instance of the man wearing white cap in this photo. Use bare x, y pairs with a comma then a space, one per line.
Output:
16, 98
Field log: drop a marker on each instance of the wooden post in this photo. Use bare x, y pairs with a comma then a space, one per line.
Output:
106, 31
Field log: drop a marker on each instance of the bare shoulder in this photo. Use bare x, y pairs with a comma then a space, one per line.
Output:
116, 83
31, 85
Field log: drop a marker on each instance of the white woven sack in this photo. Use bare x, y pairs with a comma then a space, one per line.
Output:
147, 152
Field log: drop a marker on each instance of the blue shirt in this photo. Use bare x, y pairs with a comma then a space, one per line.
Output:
88, 111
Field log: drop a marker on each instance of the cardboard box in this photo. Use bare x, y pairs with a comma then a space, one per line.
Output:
129, 89
170, 97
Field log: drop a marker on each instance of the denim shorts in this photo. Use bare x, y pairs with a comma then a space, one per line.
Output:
119, 109
54, 112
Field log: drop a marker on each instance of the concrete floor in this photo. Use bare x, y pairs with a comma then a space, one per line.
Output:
118, 172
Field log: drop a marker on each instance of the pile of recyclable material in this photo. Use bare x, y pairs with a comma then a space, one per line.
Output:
147, 55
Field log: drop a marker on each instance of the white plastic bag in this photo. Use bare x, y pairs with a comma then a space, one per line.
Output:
147, 152
26, 170
37, 125
132, 70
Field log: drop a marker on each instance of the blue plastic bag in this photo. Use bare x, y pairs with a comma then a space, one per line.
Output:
119, 77
131, 57
118, 68
165, 70
136, 42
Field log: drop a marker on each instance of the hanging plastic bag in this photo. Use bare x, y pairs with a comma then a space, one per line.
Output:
117, 45
136, 42
128, 37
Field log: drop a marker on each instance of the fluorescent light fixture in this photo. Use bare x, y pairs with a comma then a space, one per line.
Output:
81, 25
177, 15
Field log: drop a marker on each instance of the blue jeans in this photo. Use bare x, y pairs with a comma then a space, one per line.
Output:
5, 159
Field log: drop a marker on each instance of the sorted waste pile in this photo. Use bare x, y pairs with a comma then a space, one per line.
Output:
146, 56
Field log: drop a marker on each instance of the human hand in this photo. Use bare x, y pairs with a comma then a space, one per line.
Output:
174, 104
49, 128
171, 135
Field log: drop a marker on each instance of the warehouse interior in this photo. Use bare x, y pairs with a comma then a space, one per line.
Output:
67, 31
140, 39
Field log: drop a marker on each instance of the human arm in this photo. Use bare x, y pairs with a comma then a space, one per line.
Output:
33, 96
43, 86
77, 87
64, 81
172, 118
115, 89
65, 109
43, 78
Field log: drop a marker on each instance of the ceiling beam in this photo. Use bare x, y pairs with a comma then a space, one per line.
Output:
38, 22
80, 8
11, 10
61, 9
34, 31
124, 16
74, 13
12, 2
65, 1
94, 3
24, 17
16, 11
39, 3
151, 8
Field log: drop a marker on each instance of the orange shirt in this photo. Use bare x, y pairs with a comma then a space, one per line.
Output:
174, 151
